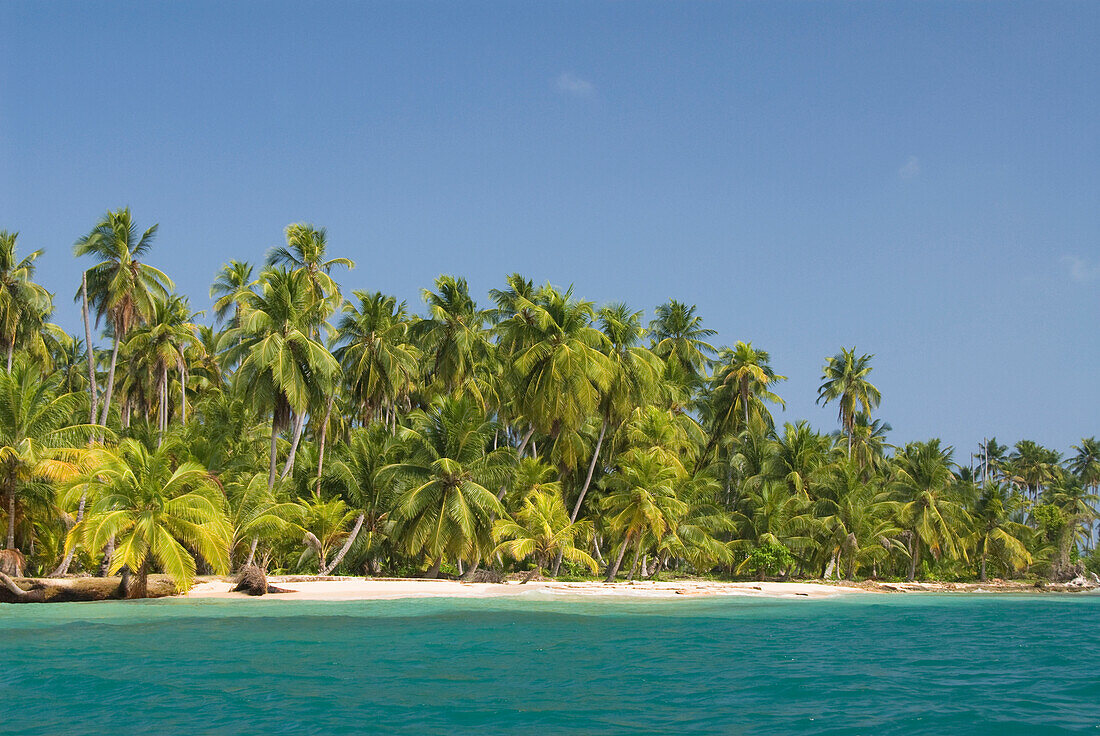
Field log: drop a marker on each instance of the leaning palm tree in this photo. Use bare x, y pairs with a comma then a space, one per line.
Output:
844, 380
121, 288
282, 368
445, 509
542, 529
158, 512
24, 304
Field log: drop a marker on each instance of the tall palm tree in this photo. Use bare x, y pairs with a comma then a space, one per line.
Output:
157, 511
844, 380
563, 369
122, 289
160, 345
379, 362
678, 336
742, 382
444, 508
24, 304
282, 369
228, 289
306, 250
453, 336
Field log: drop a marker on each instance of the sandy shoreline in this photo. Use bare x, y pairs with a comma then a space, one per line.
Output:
350, 589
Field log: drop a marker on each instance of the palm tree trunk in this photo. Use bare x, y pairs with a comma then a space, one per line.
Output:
614, 569
110, 382
981, 573
92, 388
914, 559
321, 451
588, 478
637, 555
299, 424
162, 408
183, 392
63, 568
252, 551
11, 520
326, 569
433, 571
526, 439
11, 352
274, 454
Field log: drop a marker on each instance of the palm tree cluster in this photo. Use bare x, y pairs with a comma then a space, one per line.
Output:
307, 429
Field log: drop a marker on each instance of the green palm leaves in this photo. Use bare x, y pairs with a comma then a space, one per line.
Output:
156, 511
844, 380
445, 508
542, 529
24, 305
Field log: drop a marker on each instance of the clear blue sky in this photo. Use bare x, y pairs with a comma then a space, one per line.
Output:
921, 180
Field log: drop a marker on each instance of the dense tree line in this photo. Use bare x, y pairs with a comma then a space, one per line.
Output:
309, 429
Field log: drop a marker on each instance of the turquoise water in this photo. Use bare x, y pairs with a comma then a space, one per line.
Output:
913, 664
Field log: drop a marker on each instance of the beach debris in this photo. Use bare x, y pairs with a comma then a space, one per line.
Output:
251, 580
12, 562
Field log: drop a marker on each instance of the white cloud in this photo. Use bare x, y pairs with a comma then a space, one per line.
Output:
910, 168
1081, 270
570, 84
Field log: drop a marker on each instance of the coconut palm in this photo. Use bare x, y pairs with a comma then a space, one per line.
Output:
929, 509
542, 529
562, 370
228, 289
159, 346
678, 336
158, 511
24, 305
445, 509
121, 288
844, 380
41, 444
995, 530
282, 369
452, 337
305, 251
379, 362
641, 502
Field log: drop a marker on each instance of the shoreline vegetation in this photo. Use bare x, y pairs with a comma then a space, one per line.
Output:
305, 429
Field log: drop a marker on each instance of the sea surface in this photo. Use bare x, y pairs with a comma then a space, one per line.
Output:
905, 664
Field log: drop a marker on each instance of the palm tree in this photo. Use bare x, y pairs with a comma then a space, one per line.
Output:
928, 508
122, 289
641, 502
679, 337
1034, 466
445, 508
157, 511
995, 529
24, 305
869, 441
634, 372
378, 361
39, 442
228, 289
283, 369
844, 379
1085, 464
542, 529
742, 382
161, 345
452, 337
562, 370
305, 251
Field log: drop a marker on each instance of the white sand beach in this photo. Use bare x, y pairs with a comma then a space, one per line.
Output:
349, 589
